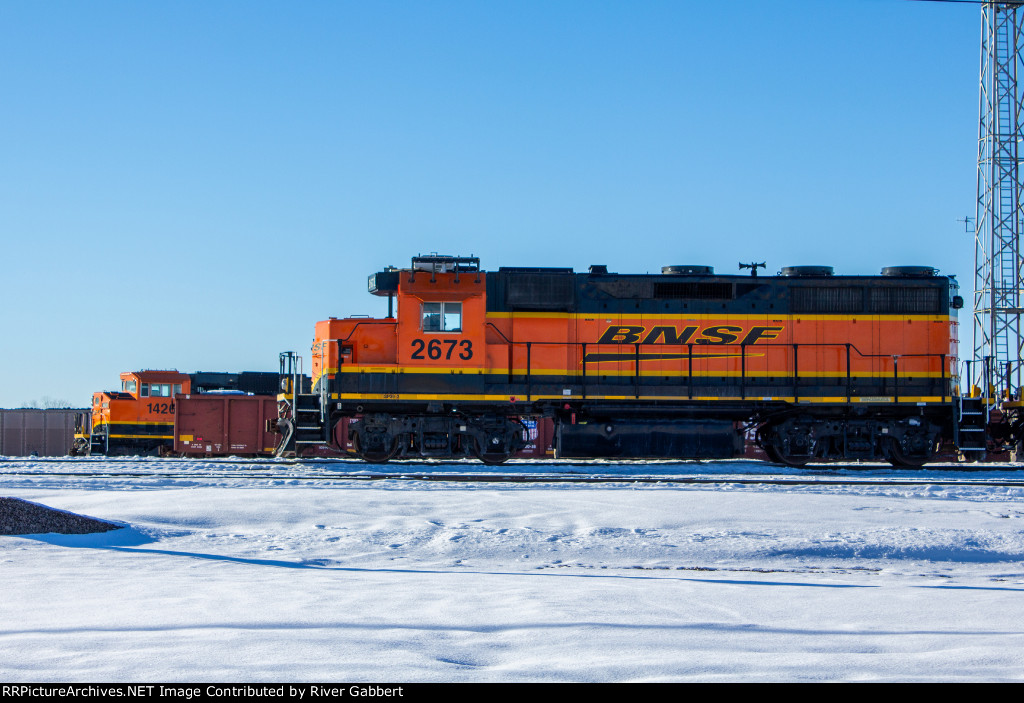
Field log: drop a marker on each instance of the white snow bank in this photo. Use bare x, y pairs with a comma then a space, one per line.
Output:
407, 581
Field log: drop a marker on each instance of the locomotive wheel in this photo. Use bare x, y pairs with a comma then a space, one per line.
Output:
777, 456
896, 457
498, 443
492, 458
376, 456
795, 461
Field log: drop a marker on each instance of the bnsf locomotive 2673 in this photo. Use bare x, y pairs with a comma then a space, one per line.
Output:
676, 365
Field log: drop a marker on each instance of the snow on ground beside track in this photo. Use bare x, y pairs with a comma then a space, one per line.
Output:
241, 580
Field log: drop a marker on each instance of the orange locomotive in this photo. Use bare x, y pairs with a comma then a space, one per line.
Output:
140, 418
673, 365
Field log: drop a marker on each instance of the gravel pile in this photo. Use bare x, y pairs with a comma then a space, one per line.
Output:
20, 517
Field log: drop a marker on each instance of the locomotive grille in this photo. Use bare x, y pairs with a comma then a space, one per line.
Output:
695, 291
819, 299
541, 291
904, 300
880, 300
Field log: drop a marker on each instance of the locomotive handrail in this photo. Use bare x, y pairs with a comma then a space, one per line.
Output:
758, 345
509, 344
796, 373
637, 360
509, 341
359, 324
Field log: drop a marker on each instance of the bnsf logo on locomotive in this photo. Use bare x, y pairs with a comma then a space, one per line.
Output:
716, 334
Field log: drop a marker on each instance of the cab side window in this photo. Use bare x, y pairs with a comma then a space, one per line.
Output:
442, 317
432, 317
156, 390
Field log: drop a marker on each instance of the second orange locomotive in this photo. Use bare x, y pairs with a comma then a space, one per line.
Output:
674, 365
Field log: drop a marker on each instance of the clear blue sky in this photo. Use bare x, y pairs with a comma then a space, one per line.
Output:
193, 185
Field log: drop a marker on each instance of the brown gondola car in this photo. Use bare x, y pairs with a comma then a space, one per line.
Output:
214, 424
140, 418
676, 365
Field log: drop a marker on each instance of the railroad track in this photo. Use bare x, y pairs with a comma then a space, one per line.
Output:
810, 479
555, 464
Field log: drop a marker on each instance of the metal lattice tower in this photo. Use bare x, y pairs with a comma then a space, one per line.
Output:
999, 269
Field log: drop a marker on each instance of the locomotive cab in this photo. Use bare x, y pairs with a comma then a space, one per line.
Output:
138, 419
439, 325
440, 330
441, 314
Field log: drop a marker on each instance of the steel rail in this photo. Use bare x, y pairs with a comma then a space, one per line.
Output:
527, 478
255, 464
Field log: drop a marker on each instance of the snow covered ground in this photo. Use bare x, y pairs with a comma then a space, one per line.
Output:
281, 579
